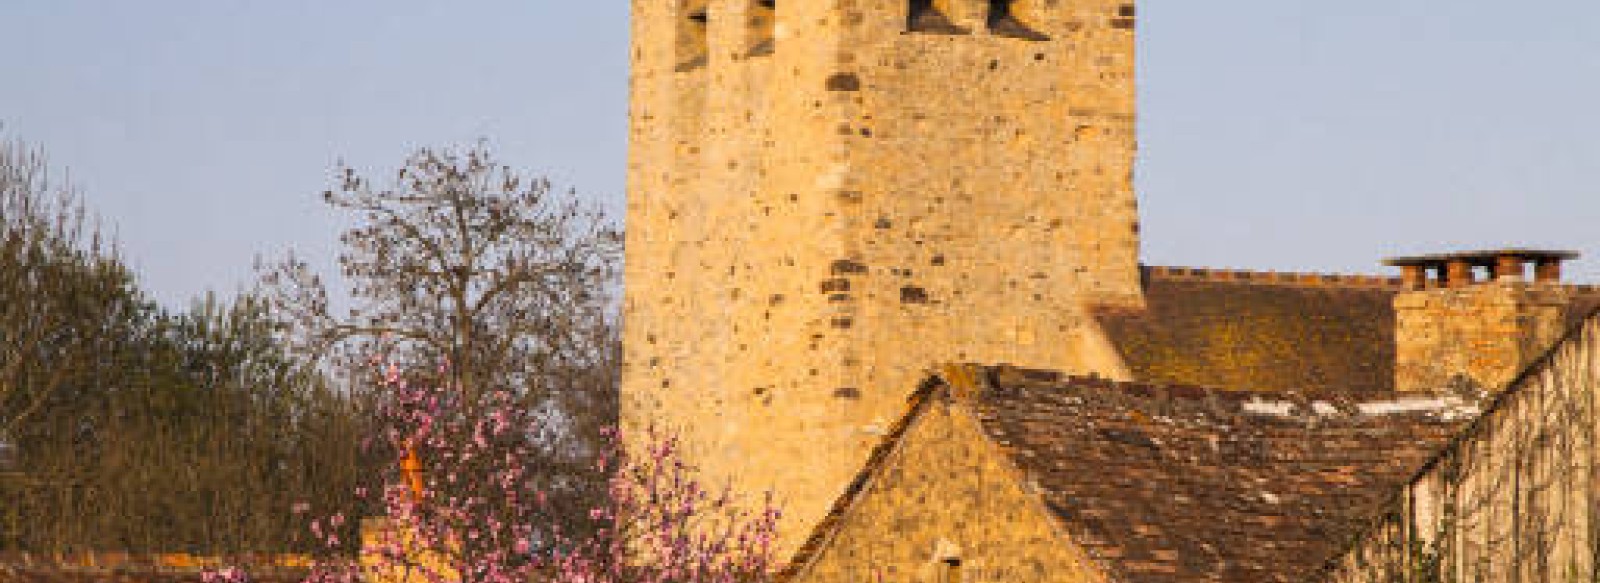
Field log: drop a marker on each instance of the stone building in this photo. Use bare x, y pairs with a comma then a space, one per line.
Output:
1514, 497
831, 202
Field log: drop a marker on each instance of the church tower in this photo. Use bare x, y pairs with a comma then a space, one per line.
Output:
828, 198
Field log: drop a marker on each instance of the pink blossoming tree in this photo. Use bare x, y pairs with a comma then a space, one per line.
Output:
478, 512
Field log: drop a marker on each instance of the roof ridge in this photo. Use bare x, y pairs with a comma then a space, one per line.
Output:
1313, 279
1582, 288
1269, 277
1096, 381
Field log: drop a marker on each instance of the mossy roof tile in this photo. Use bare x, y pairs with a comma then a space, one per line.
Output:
1271, 333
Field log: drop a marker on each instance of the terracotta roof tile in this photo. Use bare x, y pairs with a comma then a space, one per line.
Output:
1189, 484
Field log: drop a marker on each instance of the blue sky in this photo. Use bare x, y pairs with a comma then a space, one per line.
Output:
1275, 134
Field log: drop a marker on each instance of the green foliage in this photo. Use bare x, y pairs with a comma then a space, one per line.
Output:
138, 429
65, 299
128, 427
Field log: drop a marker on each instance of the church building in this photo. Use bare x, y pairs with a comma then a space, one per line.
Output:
883, 261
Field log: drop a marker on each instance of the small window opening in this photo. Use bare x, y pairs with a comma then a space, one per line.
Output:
692, 48
763, 27
1003, 21
950, 570
925, 17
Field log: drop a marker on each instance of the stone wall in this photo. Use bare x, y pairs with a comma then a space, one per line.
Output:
1516, 498
812, 226
119, 567
1487, 333
944, 499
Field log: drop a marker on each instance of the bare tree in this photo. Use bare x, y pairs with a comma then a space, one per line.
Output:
462, 260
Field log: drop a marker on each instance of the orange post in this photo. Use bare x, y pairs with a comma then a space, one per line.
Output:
411, 467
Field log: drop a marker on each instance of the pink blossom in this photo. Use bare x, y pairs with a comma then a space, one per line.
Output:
485, 509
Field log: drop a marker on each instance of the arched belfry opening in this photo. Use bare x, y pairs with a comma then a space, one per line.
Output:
950, 570
693, 50
925, 16
1003, 21
763, 27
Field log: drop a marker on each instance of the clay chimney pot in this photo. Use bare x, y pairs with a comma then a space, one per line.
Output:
1459, 274
1414, 277
1509, 268
1548, 271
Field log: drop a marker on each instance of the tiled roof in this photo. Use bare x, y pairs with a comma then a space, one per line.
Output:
1167, 484
1189, 484
1259, 330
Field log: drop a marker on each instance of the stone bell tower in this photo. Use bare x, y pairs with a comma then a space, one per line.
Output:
828, 198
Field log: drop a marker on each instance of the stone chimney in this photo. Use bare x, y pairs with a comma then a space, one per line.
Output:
1476, 316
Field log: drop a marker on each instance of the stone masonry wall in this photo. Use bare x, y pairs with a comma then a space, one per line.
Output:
944, 495
119, 567
1488, 332
814, 226
1516, 498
